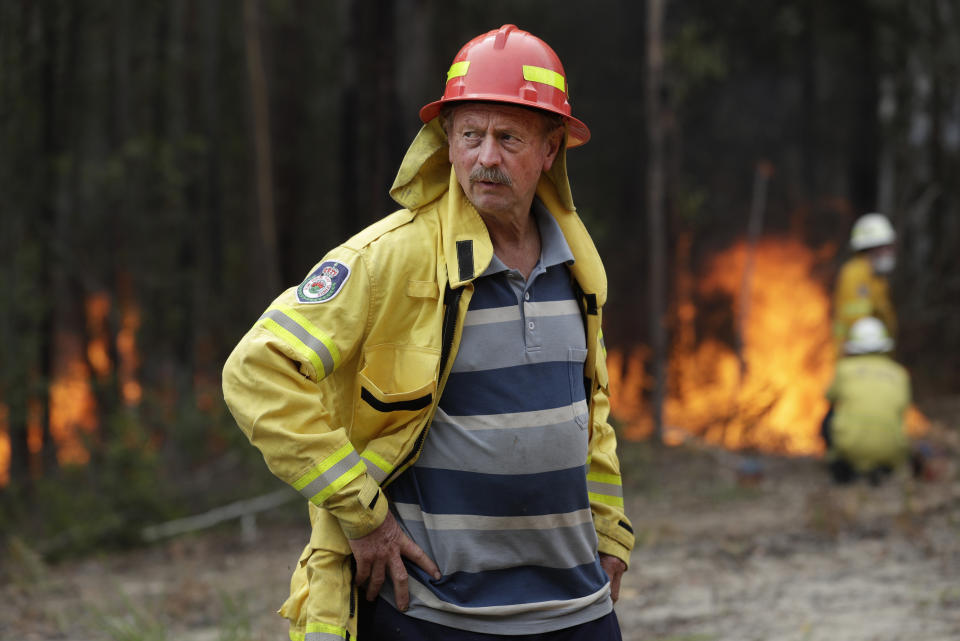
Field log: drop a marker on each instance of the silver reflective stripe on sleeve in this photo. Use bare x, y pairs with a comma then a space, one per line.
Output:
323, 636
606, 489
333, 478
316, 345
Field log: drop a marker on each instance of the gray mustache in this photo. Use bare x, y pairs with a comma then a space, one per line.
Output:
490, 175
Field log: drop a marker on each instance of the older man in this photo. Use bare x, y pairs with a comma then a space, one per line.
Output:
436, 387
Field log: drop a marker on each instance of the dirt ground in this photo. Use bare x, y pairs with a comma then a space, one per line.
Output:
729, 548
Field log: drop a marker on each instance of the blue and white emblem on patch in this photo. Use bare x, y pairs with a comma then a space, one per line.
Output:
324, 283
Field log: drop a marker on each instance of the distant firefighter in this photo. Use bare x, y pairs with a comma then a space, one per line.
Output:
862, 289
864, 429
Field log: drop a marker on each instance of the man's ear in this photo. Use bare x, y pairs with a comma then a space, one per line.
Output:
553, 142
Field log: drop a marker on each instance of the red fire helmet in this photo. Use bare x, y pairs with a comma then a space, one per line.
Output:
512, 66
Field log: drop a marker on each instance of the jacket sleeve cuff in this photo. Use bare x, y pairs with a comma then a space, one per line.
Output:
362, 509
607, 545
614, 537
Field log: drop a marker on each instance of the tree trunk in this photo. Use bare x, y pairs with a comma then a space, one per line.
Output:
210, 281
50, 148
809, 121
863, 154
655, 209
386, 116
259, 99
348, 130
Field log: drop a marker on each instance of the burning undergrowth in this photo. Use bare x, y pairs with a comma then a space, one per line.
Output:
751, 353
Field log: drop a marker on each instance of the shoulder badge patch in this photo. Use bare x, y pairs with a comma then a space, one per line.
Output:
324, 283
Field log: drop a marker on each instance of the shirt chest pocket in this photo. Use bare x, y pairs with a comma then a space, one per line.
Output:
396, 387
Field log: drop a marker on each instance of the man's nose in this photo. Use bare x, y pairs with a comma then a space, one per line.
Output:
489, 155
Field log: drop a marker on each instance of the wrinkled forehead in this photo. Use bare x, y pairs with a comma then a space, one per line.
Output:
484, 113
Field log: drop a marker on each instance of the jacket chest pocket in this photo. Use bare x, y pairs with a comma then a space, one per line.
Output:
395, 387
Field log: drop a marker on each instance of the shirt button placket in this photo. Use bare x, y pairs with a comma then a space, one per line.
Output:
533, 338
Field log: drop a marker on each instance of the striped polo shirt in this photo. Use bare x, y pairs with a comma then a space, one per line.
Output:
498, 497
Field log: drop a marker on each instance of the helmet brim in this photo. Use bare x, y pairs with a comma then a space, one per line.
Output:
872, 346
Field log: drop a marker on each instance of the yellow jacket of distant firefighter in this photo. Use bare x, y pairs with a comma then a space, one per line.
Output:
870, 394
860, 293
338, 396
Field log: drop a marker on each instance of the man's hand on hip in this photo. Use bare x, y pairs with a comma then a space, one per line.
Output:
382, 551
614, 568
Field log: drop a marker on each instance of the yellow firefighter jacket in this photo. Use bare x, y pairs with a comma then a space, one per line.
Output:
870, 394
859, 293
338, 395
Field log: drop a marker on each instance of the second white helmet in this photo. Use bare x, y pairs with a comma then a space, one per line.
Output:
868, 336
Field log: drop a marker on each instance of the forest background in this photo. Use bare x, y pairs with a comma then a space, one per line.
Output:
168, 167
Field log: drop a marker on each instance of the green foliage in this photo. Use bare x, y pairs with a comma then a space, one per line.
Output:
105, 503
133, 481
136, 623
234, 618
24, 566
694, 58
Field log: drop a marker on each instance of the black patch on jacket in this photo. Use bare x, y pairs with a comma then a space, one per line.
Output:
465, 258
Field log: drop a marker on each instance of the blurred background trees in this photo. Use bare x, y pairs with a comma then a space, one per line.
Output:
167, 166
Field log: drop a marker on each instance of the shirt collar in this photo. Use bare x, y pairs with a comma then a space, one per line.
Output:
554, 249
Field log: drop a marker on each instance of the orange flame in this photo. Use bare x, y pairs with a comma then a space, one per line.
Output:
4, 445
72, 406
98, 352
129, 359
772, 399
771, 396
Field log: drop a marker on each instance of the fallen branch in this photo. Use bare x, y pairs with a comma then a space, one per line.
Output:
243, 510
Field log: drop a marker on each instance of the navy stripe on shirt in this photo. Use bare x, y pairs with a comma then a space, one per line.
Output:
509, 390
459, 492
552, 285
512, 586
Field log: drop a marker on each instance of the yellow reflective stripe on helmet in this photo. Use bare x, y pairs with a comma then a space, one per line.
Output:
544, 76
319, 632
379, 468
304, 337
330, 475
458, 69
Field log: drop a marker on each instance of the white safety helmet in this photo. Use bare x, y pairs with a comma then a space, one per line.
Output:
868, 336
871, 230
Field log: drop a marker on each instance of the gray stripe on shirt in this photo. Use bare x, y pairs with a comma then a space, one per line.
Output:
491, 549
557, 336
506, 449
